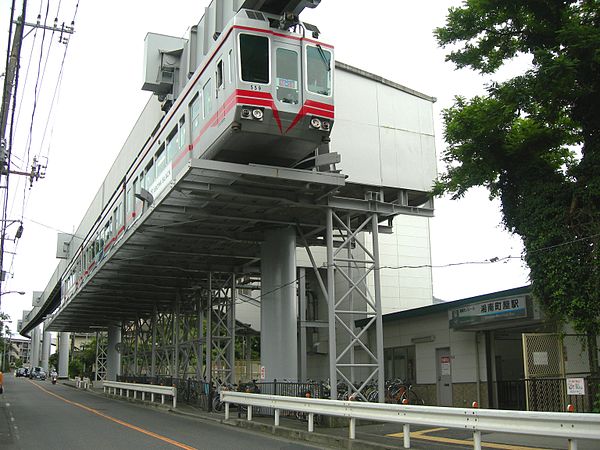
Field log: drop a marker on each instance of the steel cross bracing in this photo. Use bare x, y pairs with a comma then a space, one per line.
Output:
136, 346
168, 343
221, 326
358, 266
101, 356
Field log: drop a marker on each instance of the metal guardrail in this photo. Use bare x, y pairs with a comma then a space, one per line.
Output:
571, 426
193, 392
82, 383
151, 389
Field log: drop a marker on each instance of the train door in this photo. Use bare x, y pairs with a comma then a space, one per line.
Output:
286, 73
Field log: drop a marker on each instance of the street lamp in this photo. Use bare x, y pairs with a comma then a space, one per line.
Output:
12, 292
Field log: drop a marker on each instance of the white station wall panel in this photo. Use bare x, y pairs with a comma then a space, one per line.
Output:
383, 132
404, 287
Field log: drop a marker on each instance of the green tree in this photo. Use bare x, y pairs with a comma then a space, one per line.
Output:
533, 141
83, 360
4, 338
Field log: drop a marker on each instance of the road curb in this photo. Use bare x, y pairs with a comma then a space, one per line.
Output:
293, 434
311, 438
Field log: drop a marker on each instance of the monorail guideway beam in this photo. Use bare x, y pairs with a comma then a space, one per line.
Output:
280, 6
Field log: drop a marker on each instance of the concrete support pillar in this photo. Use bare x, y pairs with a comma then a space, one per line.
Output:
46, 342
113, 356
63, 354
279, 327
35, 346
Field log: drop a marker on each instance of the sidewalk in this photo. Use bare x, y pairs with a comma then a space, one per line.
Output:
373, 435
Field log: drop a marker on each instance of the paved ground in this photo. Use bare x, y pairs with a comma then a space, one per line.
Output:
39, 415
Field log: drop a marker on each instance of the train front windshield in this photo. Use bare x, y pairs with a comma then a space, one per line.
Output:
318, 70
254, 51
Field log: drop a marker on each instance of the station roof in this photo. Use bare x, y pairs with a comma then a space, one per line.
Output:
444, 307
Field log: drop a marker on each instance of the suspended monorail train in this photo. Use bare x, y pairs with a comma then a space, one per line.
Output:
263, 94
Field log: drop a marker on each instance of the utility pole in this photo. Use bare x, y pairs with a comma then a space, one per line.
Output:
10, 86
9, 94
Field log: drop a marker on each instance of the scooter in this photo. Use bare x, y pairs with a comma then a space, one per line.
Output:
53, 379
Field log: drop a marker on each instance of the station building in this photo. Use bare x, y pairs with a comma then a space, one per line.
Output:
498, 349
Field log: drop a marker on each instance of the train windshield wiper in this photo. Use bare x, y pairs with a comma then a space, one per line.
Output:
324, 58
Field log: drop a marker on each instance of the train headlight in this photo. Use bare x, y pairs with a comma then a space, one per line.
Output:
246, 113
326, 125
258, 114
315, 122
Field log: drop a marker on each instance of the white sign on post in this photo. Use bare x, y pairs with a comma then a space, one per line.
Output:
445, 366
263, 373
575, 386
540, 358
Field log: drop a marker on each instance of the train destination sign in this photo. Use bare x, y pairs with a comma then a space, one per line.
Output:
488, 311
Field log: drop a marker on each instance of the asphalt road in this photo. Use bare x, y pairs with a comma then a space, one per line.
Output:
39, 415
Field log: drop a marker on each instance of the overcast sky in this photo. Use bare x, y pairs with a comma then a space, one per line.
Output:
100, 99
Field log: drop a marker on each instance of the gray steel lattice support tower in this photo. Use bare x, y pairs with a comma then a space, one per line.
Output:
35, 346
46, 342
279, 336
113, 356
64, 340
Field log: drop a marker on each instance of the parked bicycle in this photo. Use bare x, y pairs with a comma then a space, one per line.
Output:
398, 391
217, 404
249, 388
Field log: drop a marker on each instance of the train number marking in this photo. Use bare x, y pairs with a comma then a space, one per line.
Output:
255, 87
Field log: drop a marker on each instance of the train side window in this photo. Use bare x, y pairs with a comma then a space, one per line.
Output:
219, 77
182, 137
206, 95
318, 70
195, 114
254, 57
287, 75
230, 65
116, 218
150, 175
134, 201
171, 145
129, 201
161, 160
